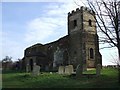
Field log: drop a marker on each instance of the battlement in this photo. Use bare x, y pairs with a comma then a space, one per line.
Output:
80, 10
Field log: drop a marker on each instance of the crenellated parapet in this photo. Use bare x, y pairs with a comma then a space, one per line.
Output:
74, 11
81, 9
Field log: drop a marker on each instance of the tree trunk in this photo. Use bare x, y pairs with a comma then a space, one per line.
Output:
119, 74
119, 64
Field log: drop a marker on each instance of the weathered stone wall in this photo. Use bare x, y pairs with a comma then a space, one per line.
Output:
75, 49
43, 55
86, 17
83, 37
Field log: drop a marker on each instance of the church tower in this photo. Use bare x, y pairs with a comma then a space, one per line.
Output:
83, 38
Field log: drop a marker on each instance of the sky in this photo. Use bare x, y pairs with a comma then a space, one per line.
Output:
27, 22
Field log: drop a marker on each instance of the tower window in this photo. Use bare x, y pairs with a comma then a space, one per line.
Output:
90, 22
91, 53
75, 23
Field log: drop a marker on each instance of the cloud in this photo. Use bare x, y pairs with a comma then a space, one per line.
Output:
50, 27
52, 24
40, 29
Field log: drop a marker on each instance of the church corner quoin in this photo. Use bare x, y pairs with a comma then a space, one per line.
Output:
79, 47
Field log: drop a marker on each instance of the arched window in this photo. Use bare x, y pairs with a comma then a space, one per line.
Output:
91, 53
90, 22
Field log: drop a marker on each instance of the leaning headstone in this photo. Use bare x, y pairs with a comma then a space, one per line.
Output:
98, 69
36, 70
61, 70
78, 71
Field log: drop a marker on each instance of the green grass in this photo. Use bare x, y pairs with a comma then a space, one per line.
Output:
108, 79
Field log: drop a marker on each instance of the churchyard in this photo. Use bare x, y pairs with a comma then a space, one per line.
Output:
18, 79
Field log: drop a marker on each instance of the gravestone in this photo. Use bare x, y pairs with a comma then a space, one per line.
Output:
27, 68
61, 70
78, 71
69, 69
36, 70
98, 69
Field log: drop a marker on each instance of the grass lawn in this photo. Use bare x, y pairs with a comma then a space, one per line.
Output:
108, 79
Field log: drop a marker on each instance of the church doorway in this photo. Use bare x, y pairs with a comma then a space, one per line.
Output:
31, 64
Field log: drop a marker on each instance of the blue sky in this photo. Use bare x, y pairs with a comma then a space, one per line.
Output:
27, 23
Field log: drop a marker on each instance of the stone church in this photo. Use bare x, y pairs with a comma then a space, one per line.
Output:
80, 46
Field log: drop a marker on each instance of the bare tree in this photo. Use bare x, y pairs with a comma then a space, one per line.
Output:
115, 60
7, 63
7, 59
108, 23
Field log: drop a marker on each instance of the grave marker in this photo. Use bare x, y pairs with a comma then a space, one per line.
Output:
36, 70
98, 69
69, 69
78, 71
61, 70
